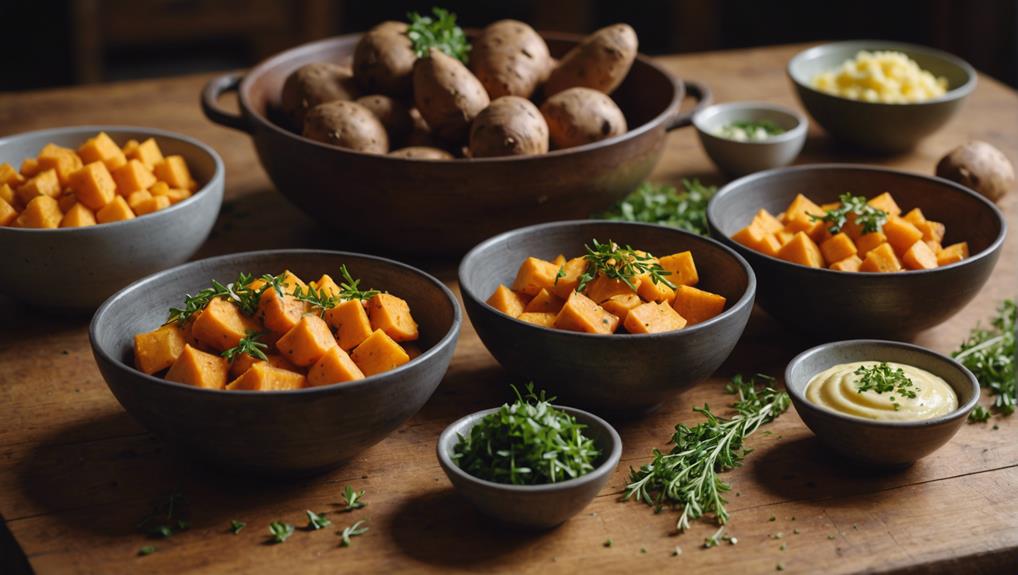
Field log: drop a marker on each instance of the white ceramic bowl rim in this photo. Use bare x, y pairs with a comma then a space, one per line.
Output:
796, 132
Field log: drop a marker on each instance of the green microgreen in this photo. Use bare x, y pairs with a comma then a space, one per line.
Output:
869, 218
438, 31
236, 526
663, 204
318, 299
990, 355
317, 521
352, 498
354, 530
169, 516
881, 378
238, 292
621, 263
280, 531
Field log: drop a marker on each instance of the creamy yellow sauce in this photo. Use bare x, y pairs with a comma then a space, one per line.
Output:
837, 389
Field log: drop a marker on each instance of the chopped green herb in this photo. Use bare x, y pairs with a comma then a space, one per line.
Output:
979, 415
749, 130
643, 549
349, 288
782, 547
354, 530
146, 550
316, 521
663, 204
280, 531
317, 299
168, 516
236, 526
352, 499
881, 378
990, 355
714, 539
622, 264
239, 293
248, 344
439, 32
869, 218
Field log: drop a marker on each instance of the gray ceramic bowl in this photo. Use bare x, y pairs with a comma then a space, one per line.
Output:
286, 432
877, 126
606, 372
99, 260
533, 506
880, 443
836, 305
739, 158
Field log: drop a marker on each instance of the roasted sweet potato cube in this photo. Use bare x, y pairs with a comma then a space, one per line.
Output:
953, 253
175, 194
152, 204
653, 318
901, 234
534, 275
765, 220
507, 301
915, 217
147, 152
683, 268
9, 176
867, 242
544, 302
44, 183
279, 313
543, 319
392, 315
919, 257
650, 290
115, 211
800, 250
881, 259
581, 313
242, 361
7, 213
751, 236
697, 305
157, 350
66, 201
221, 326
567, 277
799, 207
327, 286
291, 282
932, 231
30, 167
77, 216
849, 264
619, 305
173, 170
264, 377
8, 195
839, 247
351, 322
93, 185
63, 161
133, 176
103, 149
886, 203
134, 199
379, 353
198, 368
604, 287
335, 366
41, 212
307, 342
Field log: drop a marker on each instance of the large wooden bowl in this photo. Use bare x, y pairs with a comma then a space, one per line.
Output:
447, 206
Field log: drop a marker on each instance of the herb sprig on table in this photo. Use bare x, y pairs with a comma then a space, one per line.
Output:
621, 263
528, 442
663, 204
352, 499
355, 530
990, 355
882, 378
438, 31
687, 476
869, 218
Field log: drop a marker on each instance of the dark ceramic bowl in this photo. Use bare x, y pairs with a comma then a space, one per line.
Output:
882, 443
873, 125
283, 432
453, 203
101, 259
837, 305
621, 372
533, 506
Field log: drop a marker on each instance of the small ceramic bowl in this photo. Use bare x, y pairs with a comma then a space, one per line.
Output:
75, 269
873, 125
533, 506
738, 158
881, 443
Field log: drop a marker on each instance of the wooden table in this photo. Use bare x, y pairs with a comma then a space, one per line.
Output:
77, 473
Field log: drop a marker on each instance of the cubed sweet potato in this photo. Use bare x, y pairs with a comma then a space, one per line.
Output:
867, 242
881, 259
534, 275
115, 211
838, 247
620, 305
198, 368
133, 176
335, 366
41, 212
765, 220
603, 288
800, 250
351, 322
44, 183
152, 204
653, 318
7, 213
543, 319
156, 350
147, 152
508, 301
279, 313
93, 185
9, 176
392, 315
103, 149
919, 257
683, 268
221, 326
886, 203
953, 253
581, 313
173, 170
63, 161
544, 302
568, 278
849, 264
327, 286
379, 353
901, 234
264, 377
307, 341
697, 305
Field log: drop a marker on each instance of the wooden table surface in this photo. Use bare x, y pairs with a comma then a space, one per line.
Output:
77, 473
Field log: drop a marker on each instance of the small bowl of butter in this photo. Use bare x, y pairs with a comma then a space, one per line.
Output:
880, 402
746, 137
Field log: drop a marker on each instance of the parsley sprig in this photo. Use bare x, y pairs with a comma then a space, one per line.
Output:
882, 378
869, 218
687, 476
440, 32
248, 344
663, 204
620, 263
990, 355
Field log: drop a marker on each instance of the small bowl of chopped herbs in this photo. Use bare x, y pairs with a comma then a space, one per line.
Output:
530, 463
746, 137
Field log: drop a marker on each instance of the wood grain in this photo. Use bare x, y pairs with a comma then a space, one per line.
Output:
77, 473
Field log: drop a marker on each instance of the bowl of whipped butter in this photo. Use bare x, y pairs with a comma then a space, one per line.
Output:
881, 402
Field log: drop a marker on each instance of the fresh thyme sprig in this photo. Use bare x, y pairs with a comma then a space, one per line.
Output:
239, 292
881, 378
687, 476
248, 344
440, 32
869, 218
620, 263
354, 530
990, 355
352, 498
349, 288
663, 204
316, 298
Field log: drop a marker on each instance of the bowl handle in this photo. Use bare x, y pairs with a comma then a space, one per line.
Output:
699, 92
210, 95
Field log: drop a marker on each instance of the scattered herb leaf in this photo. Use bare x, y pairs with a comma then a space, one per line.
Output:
869, 218
280, 531
146, 550
317, 299
979, 415
663, 204
349, 288
990, 355
352, 499
440, 32
317, 521
608, 542
168, 516
236, 526
352, 531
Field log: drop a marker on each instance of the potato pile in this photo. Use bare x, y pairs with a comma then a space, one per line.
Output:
98, 183
408, 99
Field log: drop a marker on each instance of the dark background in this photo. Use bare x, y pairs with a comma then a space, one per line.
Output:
62, 42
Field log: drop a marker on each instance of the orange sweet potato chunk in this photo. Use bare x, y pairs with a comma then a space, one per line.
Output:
603, 288
653, 318
335, 366
133, 176
543, 319
307, 342
507, 301
351, 323
867, 242
42, 184
581, 313
534, 275
63, 161
568, 277
279, 313
919, 257
8, 195
683, 268
650, 290
838, 247
327, 286
10, 176
147, 152
799, 210
901, 234
697, 305
849, 264
173, 170
115, 211
544, 302
379, 353
800, 250
41, 212
157, 350
221, 326
886, 203
881, 259
93, 185
953, 253
619, 305
198, 368
264, 377
152, 204
103, 149
7, 213
765, 221
392, 315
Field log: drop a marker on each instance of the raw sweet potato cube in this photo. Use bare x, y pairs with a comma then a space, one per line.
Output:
839, 247
765, 221
173, 170
133, 176
919, 257
103, 149
307, 342
78, 216
153, 204
543, 319
41, 212
351, 323
379, 353
867, 242
62, 160
198, 368
683, 267
849, 264
134, 199
279, 313
7, 213
544, 302
115, 211
334, 367
881, 259
93, 185
603, 288
221, 326
901, 234
653, 318
581, 313
953, 253
932, 231
696, 305
534, 275
264, 377
10, 176
886, 203
42, 184
8, 195
801, 250
507, 301
392, 315
175, 194
157, 350
147, 152
327, 286
620, 305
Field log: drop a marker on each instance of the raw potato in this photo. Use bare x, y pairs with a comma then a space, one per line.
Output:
346, 125
981, 167
422, 153
510, 126
314, 84
447, 95
510, 59
383, 61
601, 61
393, 115
580, 116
